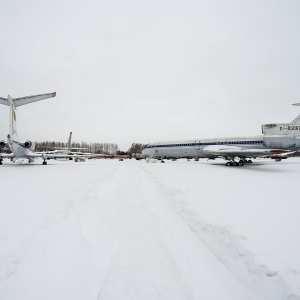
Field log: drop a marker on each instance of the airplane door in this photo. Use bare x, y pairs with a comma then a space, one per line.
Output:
197, 145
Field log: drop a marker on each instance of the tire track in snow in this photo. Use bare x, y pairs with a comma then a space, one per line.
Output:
57, 227
188, 252
227, 247
143, 266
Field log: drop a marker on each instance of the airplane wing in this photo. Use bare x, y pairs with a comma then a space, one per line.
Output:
36, 154
230, 151
64, 148
69, 156
46, 155
7, 155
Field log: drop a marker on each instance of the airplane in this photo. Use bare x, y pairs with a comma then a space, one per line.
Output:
68, 149
22, 149
276, 141
61, 152
77, 155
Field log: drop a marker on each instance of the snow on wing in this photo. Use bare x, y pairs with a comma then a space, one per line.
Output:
220, 150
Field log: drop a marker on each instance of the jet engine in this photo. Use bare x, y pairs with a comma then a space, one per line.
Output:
3, 145
28, 144
281, 142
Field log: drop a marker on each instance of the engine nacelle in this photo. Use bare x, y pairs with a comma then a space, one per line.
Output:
28, 144
282, 142
3, 145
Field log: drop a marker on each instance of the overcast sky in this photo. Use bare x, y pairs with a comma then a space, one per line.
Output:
146, 71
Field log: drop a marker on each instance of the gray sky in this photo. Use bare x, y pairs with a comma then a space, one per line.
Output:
145, 71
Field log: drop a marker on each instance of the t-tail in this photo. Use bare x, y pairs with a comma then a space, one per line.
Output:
15, 102
291, 129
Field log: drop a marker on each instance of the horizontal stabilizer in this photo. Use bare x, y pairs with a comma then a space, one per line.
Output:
4, 101
28, 99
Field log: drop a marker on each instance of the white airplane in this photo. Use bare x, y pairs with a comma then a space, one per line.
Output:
276, 141
21, 149
66, 152
68, 149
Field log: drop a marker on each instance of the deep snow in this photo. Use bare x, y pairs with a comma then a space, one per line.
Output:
105, 229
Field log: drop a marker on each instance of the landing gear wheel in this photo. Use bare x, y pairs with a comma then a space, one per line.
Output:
44, 162
234, 163
241, 163
228, 164
0, 162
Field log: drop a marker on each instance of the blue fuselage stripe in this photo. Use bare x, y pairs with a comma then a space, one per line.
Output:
206, 144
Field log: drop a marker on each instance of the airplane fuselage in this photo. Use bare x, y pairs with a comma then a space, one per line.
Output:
18, 148
197, 148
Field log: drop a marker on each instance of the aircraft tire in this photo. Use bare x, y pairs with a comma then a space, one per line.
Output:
234, 163
241, 163
228, 164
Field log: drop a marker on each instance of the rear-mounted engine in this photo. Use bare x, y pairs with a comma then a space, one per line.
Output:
3, 145
28, 144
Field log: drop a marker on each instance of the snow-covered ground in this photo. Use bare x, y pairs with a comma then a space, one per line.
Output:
105, 229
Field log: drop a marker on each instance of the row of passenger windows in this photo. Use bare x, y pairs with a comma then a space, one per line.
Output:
205, 144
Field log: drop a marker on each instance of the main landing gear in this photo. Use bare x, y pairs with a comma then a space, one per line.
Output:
1, 161
240, 163
44, 162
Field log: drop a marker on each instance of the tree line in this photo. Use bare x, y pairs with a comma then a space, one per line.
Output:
97, 148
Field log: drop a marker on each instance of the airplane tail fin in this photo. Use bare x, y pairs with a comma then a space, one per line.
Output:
291, 129
70, 140
15, 102
12, 117
296, 121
